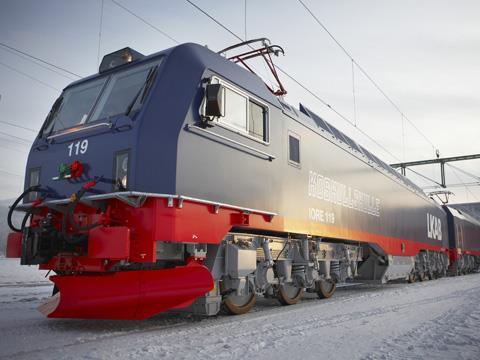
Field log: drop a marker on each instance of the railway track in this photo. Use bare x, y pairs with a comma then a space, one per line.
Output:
268, 329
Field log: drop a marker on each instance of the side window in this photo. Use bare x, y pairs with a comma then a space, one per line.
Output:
243, 113
235, 110
294, 149
257, 121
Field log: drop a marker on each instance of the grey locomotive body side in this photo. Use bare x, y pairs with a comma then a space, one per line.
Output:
368, 200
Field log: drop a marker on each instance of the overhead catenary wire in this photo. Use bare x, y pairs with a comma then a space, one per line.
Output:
10, 141
18, 126
145, 21
425, 177
466, 186
233, 34
467, 189
439, 185
465, 172
38, 63
354, 95
39, 59
30, 77
450, 186
4, 139
292, 78
245, 18
239, 38
343, 117
25, 151
365, 73
16, 137
295, 80
325, 103
213, 19
100, 32
10, 173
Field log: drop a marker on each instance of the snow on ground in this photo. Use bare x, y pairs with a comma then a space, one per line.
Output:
12, 274
430, 320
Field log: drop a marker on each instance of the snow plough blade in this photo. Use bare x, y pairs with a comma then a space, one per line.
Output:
134, 295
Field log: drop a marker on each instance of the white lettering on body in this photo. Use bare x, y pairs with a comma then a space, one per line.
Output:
323, 188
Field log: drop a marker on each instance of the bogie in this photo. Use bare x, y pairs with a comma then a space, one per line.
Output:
281, 268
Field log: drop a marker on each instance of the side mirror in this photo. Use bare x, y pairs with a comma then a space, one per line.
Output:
214, 100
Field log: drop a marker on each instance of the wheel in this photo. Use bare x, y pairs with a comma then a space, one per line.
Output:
431, 275
422, 276
289, 294
234, 304
325, 288
239, 304
412, 278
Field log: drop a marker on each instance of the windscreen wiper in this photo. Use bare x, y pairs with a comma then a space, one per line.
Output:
143, 91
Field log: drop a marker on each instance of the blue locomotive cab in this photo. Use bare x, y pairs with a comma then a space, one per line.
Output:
123, 126
90, 129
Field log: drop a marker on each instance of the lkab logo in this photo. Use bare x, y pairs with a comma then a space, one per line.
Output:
434, 227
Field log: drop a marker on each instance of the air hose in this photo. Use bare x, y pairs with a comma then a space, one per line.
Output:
68, 215
15, 204
75, 199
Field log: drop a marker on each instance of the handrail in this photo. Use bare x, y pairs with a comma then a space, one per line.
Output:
268, 156
123, 195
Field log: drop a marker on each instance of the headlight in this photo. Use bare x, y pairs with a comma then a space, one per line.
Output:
121, 170
33, 180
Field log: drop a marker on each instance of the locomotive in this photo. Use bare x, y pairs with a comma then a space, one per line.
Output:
181, 181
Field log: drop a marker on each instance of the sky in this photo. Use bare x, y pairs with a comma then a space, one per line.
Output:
423, 54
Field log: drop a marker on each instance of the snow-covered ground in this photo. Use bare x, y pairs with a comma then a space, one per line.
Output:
12, 274
431, 320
